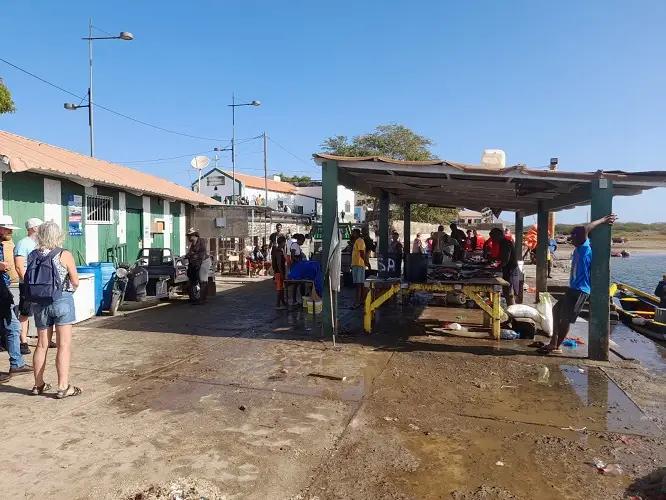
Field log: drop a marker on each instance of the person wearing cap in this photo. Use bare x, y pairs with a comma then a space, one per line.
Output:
23, 248
17, 364
198, 266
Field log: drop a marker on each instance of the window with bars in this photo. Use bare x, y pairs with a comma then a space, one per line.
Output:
99, 209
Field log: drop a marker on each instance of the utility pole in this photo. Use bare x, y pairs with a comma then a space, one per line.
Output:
265, 184
266, 168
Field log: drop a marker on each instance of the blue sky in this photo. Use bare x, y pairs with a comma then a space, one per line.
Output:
583, 81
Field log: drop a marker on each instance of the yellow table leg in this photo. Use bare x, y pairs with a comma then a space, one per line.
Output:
367, 315
496, 315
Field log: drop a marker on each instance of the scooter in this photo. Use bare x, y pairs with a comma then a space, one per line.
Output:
128, 282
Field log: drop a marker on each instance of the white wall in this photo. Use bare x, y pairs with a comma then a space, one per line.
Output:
91, 232
182, 229
308, 203
273, 197
121, 230
223, 190
53, 201
147, 220
344, 195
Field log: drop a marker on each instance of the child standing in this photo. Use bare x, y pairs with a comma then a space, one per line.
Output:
279, 268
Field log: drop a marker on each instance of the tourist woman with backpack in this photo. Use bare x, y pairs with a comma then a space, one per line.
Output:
50, 282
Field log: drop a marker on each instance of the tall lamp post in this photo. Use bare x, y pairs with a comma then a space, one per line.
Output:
124, 35
233, 107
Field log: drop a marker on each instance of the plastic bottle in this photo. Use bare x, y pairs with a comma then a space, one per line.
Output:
612, 470
543, 374
506, 334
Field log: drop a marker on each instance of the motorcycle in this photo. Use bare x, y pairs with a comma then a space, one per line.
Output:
129, 283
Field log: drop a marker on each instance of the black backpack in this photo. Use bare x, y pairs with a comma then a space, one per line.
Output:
42, 280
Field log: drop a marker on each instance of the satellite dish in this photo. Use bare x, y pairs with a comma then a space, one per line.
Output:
200, 162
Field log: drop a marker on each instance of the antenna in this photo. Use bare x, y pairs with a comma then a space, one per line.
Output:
199, 163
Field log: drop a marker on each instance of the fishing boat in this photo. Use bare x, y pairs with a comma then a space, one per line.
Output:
638, 309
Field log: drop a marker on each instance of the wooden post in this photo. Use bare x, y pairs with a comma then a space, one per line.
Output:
384, 223
407, 243
329, 175
518, 234
542, 252
600, 240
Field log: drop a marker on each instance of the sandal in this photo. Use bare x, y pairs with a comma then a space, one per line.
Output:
549, 350
52, 345
39, 390
537, 344
70, 391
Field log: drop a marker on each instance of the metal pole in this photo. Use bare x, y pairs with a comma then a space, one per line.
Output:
233, 148
265, 170
90, 93
199, 183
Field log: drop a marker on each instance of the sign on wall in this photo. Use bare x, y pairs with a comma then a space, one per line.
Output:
75, 214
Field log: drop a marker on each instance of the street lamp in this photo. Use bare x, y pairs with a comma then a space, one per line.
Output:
124, 35
233, 107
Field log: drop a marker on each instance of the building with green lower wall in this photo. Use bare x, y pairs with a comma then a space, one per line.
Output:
107, 211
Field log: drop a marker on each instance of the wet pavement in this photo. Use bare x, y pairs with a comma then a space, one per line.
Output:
257, 403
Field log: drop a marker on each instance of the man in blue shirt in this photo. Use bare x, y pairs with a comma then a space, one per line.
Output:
22, 249
12, 327
568, 308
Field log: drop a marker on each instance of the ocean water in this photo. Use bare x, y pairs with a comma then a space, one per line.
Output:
640, 271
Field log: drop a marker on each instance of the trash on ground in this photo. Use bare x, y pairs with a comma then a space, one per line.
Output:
181, 489
612, 470
543, 374
573, 429
570, 343
391, 419
507, 334
580, 370
284, 370
414, 427
328, 377
241, 408
499, 464
626, 440
509, 387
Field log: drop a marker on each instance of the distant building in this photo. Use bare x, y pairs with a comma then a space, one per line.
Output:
470, 217
310, 196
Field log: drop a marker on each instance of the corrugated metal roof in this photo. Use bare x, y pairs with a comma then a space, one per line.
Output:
28, 155
254, 182
450, 184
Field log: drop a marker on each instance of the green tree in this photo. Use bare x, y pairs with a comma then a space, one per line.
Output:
6, 103
294, 178
398, 143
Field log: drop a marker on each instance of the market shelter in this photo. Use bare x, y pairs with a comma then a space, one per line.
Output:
517, 189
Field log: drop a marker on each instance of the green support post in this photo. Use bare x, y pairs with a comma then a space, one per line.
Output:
383, 222
329, 175
542, 251
600, 240
407, 245
518, 234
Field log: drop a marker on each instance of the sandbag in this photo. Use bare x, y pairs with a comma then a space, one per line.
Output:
545, 308
524, 311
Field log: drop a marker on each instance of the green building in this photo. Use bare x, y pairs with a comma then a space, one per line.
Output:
106, 210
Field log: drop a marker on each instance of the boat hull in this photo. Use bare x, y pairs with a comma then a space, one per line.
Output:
637, 310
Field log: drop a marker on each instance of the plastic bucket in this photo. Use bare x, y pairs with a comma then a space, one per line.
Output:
314, 306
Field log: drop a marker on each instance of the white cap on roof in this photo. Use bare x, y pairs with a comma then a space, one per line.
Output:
33, 222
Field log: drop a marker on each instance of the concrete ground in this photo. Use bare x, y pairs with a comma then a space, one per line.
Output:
247, 402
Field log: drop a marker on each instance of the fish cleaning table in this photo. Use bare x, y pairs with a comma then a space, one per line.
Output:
380, 290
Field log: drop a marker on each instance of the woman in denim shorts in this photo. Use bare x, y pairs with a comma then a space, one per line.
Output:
60, 313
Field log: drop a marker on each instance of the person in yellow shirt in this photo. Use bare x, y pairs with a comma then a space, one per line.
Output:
358, 264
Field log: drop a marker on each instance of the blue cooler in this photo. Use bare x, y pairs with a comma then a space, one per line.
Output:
108, 270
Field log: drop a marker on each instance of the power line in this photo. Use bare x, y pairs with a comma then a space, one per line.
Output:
109, 109
162, 159
309, 164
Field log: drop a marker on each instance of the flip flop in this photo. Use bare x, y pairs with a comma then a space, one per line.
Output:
537, 344
545, 351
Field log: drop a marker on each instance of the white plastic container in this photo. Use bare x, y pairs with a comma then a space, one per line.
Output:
84, 298
314, 306
493, 158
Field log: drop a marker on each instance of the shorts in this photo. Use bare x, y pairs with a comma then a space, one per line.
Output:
60, 312
569, 307
358, 275
25, 307
279, 281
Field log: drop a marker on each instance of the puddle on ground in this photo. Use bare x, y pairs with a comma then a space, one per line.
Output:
572, 396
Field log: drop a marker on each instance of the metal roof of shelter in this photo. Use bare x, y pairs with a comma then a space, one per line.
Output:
449, 184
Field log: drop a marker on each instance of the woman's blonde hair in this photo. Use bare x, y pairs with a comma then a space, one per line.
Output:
49, 236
